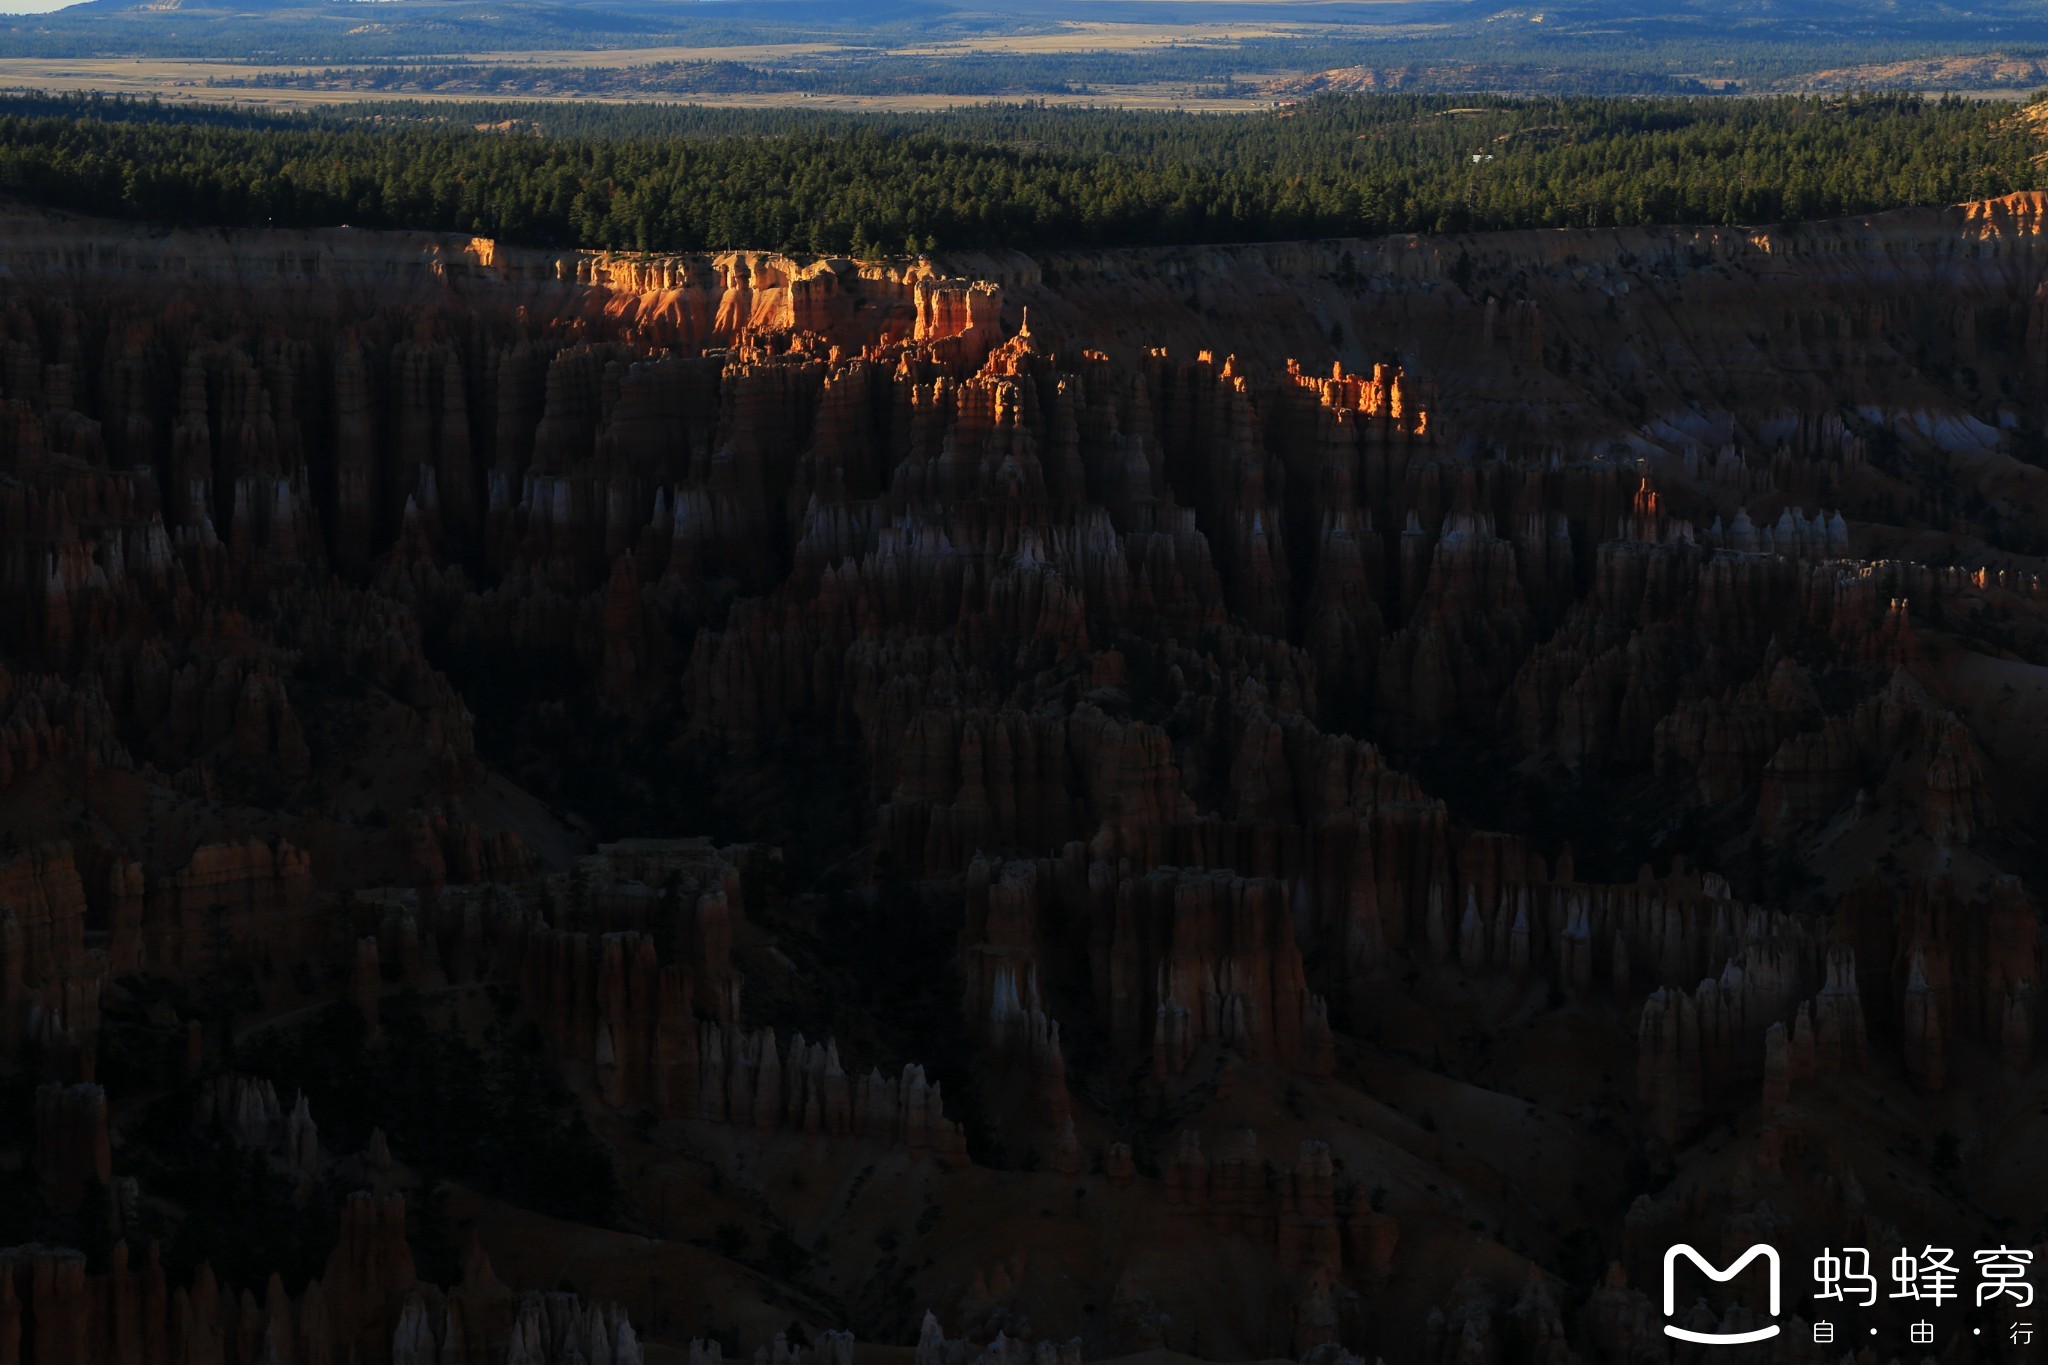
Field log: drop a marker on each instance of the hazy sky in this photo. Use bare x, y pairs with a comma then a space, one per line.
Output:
32, 6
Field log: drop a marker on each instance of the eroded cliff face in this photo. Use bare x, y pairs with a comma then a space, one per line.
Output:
1536, 733
368, 1305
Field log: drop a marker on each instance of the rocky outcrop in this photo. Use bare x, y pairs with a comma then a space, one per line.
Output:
254, 894
239, 902
246, 1112
72, 1147
746, 1080
49, 983
1319, 1231
367, 1306
934, 1349
1187, 712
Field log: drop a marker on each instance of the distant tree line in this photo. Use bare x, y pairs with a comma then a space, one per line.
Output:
664, 178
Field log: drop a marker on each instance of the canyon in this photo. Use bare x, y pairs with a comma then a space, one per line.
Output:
1311, 801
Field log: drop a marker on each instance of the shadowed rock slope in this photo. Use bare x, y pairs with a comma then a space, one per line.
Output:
1284, 801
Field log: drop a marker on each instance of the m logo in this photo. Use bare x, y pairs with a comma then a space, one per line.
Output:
1770, 1257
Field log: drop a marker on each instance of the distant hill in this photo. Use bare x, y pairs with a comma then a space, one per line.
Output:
966, 48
